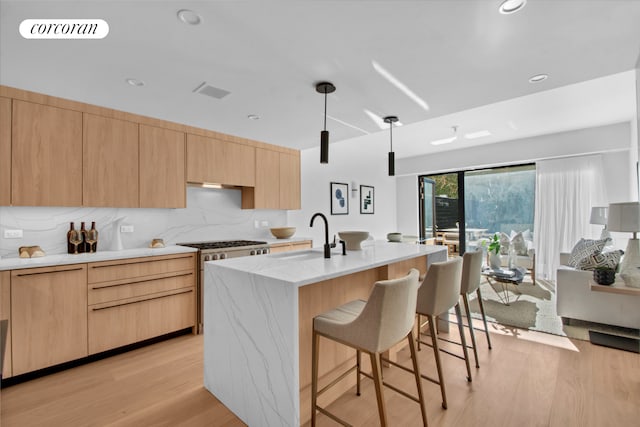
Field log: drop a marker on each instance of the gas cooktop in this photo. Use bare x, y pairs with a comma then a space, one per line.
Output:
222, 244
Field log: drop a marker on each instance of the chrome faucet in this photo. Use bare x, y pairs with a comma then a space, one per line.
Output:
327, 245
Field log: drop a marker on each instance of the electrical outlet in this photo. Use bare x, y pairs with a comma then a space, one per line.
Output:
126, 228
264, 223
256, 223
13, 234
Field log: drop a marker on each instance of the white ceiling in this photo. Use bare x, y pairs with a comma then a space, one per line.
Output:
456, 55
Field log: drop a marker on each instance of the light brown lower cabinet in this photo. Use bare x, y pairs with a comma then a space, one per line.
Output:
48, 316
5, 314
139, 298
123, 322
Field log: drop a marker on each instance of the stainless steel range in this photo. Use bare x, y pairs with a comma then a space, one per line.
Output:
219, 250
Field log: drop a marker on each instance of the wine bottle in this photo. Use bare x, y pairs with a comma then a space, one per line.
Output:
70, 234
82, 247
93, 235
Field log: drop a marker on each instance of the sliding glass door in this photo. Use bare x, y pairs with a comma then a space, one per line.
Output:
470, 206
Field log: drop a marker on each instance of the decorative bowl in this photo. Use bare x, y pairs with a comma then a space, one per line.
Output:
283, 232
604, 276
394, 237
353, 239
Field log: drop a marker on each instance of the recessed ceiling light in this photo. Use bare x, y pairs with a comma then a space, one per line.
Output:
189, 17
511, 6
253, 117
478, 134
135, 82
538, 78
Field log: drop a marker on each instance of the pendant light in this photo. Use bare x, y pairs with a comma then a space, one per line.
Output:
325, 87
392, 156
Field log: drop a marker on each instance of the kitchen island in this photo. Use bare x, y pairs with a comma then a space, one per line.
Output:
259, 313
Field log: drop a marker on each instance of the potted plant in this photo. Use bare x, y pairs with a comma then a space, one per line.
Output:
604, 275
494, 252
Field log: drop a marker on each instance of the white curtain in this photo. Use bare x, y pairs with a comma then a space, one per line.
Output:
566, 189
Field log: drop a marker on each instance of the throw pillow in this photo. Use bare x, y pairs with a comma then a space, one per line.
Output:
504, 244
519, 244
607, 259
583, 249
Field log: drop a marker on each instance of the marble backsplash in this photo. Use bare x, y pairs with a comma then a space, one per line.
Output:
211, 214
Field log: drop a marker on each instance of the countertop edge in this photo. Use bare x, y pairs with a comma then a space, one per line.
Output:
66, 259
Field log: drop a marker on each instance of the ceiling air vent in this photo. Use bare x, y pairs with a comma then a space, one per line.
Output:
206, 89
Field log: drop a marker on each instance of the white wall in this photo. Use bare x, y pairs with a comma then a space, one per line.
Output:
211, 214
360, 160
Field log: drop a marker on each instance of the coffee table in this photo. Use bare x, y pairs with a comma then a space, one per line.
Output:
505, 276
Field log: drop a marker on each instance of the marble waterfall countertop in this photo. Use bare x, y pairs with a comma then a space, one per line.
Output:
301, 268
63, 259
252, 323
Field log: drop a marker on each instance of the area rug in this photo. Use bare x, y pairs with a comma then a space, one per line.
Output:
534, 308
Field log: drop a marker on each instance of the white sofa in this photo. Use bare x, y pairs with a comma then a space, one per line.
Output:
576, 300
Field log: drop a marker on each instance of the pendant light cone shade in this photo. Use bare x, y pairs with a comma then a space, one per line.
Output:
325, 87
392, 156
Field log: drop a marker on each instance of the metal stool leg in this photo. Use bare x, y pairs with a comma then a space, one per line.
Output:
315, 350
416, 372
484, 317
377, 379
465, 299
358, 358
436, 352
464, 341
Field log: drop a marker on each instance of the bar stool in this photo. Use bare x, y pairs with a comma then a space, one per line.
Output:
373, 327
471, 275
440, 291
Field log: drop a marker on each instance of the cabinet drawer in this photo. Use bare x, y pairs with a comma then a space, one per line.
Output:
126, 322
111, 271
105, 292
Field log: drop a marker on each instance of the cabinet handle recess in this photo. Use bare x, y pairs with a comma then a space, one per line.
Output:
139, 262
49, 272
135, 282
143, 300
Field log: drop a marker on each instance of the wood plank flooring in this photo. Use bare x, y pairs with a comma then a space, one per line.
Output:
528, 379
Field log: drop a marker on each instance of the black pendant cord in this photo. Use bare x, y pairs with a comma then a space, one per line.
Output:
325, 111
391, 135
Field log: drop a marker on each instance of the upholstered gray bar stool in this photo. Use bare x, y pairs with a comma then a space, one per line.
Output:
440, 291
471, 275
373, 327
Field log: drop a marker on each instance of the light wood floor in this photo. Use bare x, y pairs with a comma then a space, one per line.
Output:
528, 379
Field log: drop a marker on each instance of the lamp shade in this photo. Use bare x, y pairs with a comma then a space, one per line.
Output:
599, 215
624, 217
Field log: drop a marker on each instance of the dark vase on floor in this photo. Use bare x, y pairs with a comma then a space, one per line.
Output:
604, 277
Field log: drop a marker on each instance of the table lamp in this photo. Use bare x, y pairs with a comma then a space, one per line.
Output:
599, 216
625, 217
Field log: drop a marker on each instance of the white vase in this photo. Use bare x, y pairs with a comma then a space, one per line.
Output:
116, 239
494, 260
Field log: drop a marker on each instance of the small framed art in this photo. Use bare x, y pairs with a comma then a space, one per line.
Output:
339, 198
366, 199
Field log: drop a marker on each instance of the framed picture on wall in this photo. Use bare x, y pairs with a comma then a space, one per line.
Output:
339, 198
366, 199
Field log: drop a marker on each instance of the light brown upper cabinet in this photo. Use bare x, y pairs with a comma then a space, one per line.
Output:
290, 181
277, 181
110, 168
5, 151
267, 189
46, 153
162, 168
221, 162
